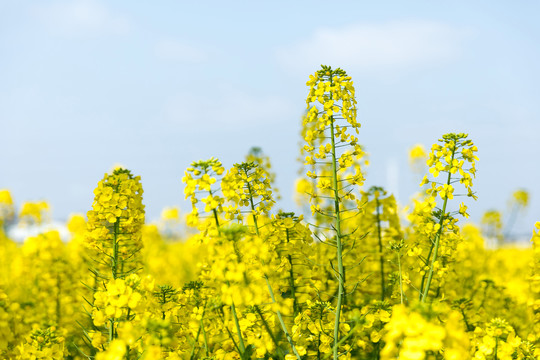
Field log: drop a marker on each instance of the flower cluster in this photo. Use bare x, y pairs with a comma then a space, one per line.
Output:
119, 299
330, 146
199, 178
413, 336
313, 329
257, 156
115, 221
436, 232
34, 212
452, 157
246, 185
499, 341
43, 344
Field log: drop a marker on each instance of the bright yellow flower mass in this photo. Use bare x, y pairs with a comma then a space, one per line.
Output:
353, 276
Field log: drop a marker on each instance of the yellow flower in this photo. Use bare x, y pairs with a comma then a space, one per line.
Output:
115, 222
463, 210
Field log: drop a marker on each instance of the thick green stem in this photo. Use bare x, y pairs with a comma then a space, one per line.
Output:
435, 253
111, 330
437, 238
221, 316
253, 209
345, 338
467, 325
241, 346
204, 337
239, 332
164, 301
216, 218
280, 318
423, 282
268, 330
214, 211
339, 246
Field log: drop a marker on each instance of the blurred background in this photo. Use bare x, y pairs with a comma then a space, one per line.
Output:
87, 84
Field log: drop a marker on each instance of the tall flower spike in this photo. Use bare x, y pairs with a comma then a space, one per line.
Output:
327, 126
335, 154
455, 157
115, 223
246, 185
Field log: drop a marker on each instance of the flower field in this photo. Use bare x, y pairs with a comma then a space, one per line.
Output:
352, 277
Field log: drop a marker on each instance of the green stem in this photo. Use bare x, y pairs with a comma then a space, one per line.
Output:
242, 347
252, 208
343, 339
111, 330
280, 318
164, 301
422, 284
221, 316
437, 238
216, 218
469, 327
268, 330
214, 211
205, 338
341, 271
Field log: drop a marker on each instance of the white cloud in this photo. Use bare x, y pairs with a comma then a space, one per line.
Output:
176, 51
374, 47
226, 107
82, 17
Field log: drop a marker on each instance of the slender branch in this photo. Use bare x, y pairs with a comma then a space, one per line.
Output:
437, 239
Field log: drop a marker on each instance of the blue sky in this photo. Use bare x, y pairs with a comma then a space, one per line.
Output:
87, 84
